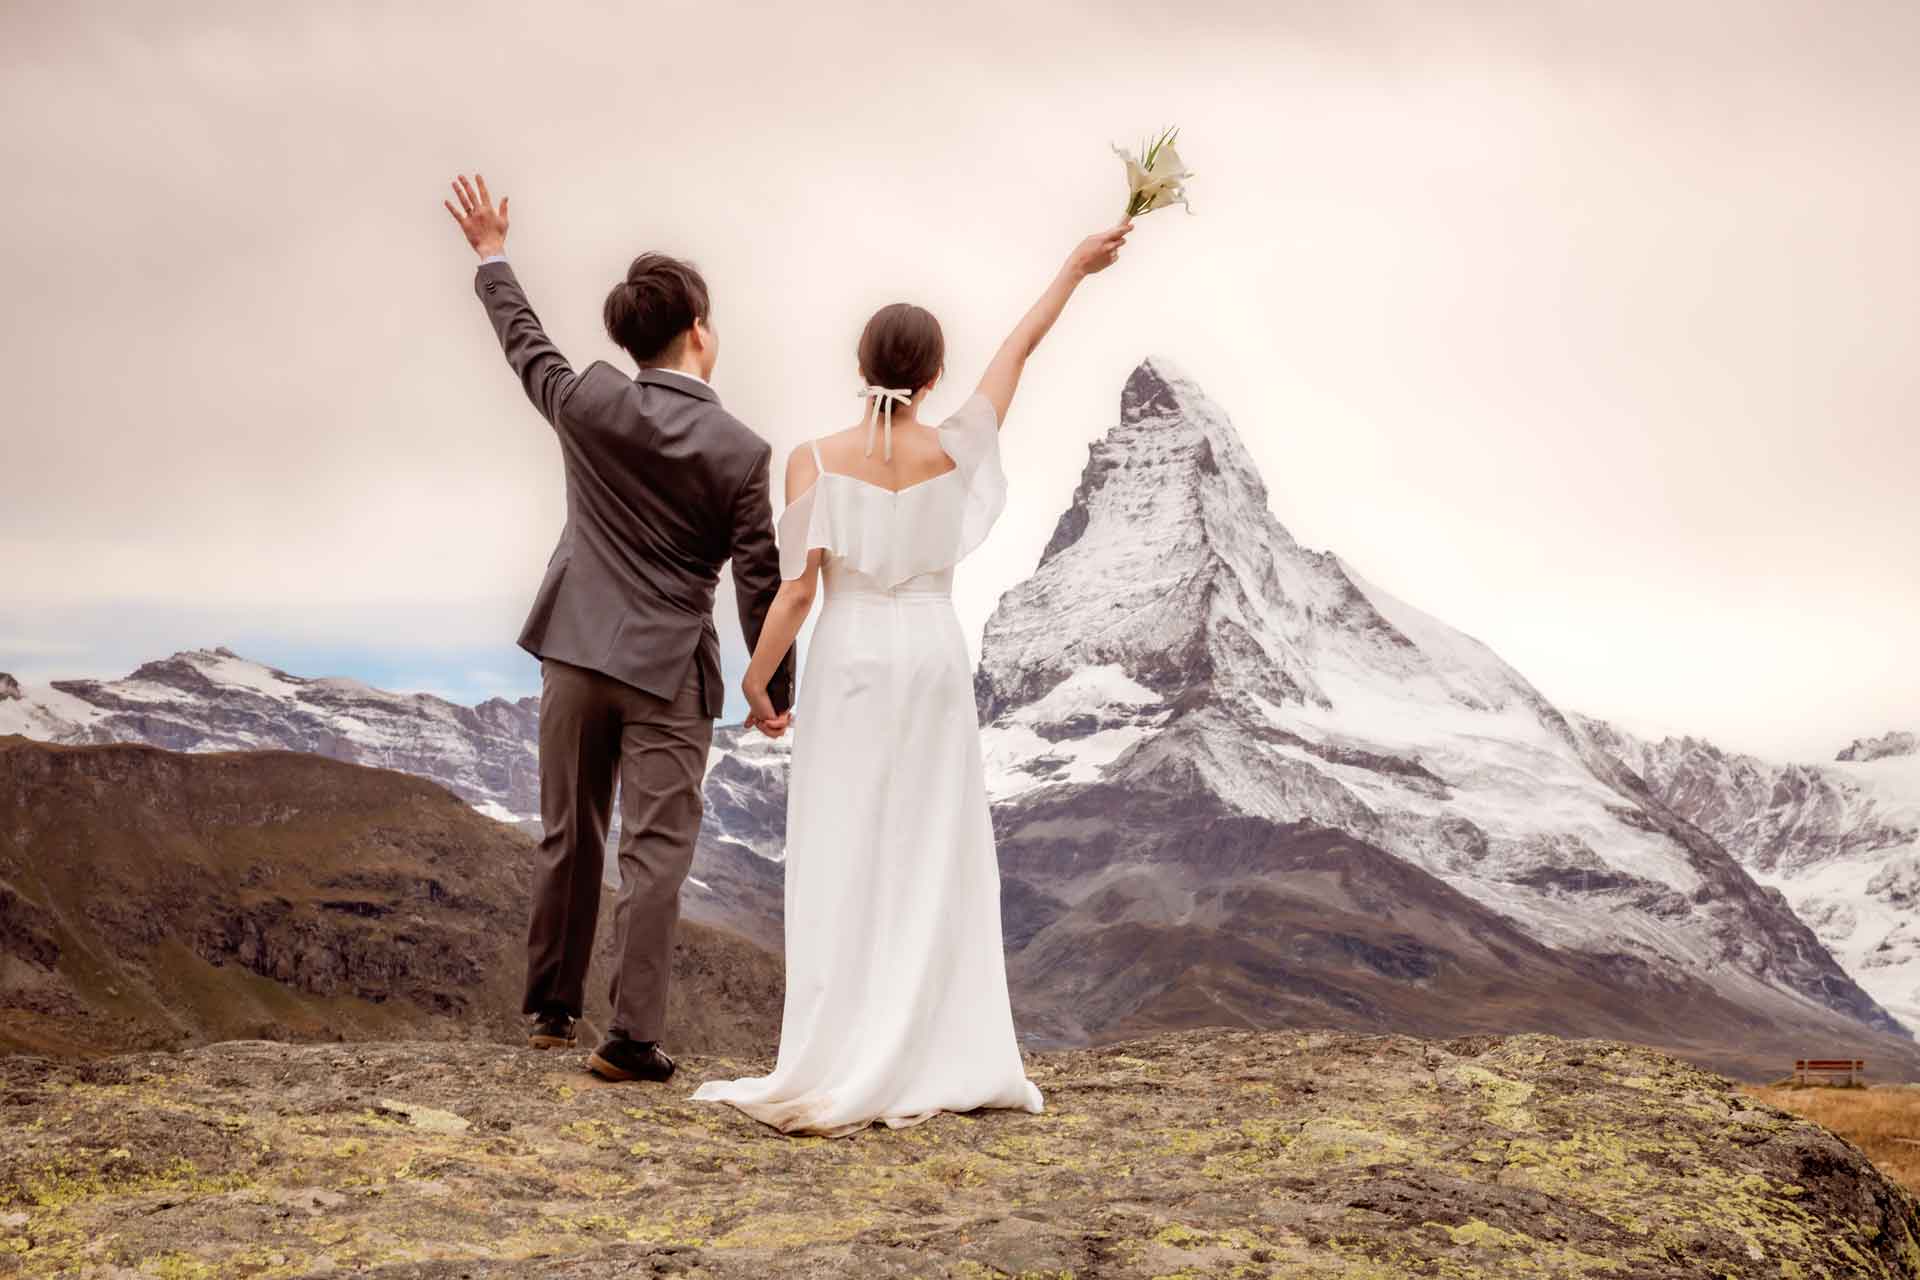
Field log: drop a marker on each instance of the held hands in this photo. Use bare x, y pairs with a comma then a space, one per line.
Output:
485, 226
1099, 250
760, 713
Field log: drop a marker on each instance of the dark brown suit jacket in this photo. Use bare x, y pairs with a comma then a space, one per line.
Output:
663, 488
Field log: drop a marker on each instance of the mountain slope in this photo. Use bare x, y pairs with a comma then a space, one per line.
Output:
1176, 640
1131, 910
151, 898
215, 700
1840, 839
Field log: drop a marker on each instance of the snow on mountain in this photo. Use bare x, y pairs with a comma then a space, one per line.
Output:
215, 700
42, 712
1840, 839
1888, 745
746, 790
1176, 637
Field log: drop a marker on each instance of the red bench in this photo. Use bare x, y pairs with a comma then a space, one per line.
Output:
1828, 1069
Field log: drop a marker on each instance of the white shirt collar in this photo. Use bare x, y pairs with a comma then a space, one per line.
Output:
684, 374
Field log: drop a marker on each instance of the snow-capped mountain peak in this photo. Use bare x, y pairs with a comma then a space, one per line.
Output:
1170, 563
1175, 636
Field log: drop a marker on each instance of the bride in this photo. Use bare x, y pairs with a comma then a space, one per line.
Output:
896, 1001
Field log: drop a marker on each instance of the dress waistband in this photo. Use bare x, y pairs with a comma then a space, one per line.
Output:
911, 595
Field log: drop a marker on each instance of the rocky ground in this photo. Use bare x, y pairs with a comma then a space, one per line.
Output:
1882, 1120
1201, 1153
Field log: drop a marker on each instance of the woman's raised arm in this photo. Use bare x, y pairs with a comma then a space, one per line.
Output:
1096, 253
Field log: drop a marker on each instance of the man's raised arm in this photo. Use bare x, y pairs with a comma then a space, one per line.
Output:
542, 370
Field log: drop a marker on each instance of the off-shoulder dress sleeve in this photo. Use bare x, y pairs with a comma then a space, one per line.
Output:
804, 525
971, 437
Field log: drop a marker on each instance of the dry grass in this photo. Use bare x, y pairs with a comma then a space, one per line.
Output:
1883, 1121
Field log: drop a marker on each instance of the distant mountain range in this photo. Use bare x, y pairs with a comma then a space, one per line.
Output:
1840, 839
215, 700
1234, 782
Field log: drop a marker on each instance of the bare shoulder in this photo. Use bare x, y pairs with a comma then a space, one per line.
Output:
838, 449
801, 471
912, 443
918, 454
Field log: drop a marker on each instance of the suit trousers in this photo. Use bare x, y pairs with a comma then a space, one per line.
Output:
594, 728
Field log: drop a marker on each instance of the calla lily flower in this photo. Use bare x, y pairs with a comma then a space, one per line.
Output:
1156, 178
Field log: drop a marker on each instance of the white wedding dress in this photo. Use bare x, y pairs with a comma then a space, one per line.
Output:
896, 1002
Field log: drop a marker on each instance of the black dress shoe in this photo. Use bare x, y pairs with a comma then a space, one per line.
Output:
622, 1059
552, 1031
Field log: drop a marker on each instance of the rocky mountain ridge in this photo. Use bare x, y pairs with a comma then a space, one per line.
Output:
215, 700
1839, 839
1896, 743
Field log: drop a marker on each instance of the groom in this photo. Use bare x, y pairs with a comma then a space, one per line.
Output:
663, 488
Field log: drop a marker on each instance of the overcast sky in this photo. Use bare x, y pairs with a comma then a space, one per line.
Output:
1588, 328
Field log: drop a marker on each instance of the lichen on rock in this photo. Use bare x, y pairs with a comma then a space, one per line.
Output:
1199, 1153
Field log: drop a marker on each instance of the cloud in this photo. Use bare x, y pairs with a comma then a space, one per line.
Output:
1585, 328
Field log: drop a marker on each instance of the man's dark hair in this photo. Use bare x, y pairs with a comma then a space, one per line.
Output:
902, 346
658, 301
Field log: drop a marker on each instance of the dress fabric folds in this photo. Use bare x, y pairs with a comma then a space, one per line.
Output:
896, 1001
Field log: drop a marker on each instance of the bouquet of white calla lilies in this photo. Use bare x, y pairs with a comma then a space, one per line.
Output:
1155, 178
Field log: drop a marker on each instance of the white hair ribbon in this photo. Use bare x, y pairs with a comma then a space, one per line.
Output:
877, 416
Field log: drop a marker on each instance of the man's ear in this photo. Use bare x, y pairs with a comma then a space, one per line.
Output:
701, 343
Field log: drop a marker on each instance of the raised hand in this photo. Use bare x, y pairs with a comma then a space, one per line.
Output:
1099, 250
484, 225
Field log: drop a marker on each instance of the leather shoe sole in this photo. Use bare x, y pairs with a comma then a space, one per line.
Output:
552, 1042
607, 1071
